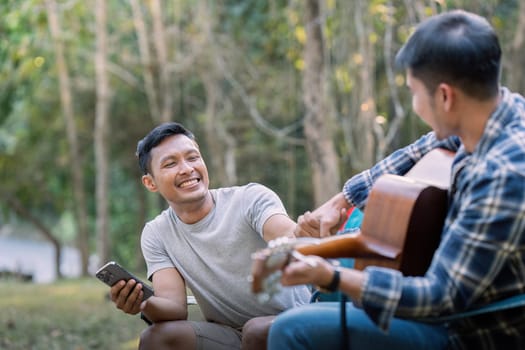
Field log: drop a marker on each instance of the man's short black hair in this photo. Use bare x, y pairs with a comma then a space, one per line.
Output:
456, 47
154, 138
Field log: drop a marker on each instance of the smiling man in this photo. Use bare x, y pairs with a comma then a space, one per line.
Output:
203, 241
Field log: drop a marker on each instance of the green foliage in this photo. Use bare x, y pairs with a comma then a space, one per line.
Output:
259, 26
125, 228
261, 44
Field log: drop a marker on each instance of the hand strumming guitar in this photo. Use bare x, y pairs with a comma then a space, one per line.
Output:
307, 270
321, 273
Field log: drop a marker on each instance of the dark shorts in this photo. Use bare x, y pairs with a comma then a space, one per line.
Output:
213, 336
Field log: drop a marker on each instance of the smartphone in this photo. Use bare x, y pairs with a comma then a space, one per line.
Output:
112, 272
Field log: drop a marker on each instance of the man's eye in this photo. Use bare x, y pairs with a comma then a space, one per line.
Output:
169, 165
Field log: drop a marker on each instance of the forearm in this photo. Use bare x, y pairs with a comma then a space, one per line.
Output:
351, 283
336, 203
159, 309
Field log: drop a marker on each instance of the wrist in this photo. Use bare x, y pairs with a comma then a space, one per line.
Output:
334, 283
145, 319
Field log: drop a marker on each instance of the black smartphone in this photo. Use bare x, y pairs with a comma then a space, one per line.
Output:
112, 272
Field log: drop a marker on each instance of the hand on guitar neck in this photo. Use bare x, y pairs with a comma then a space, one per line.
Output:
268, 263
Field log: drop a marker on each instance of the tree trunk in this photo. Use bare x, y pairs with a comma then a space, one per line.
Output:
220, 150
162, 60
75, 158
101, 133
146, 61
221, 145
396, 121
368, 130
22, 211
318, 124
517, 55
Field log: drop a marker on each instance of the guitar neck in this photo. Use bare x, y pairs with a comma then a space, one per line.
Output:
349, 245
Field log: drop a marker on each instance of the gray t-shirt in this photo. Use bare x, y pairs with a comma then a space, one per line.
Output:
214, 254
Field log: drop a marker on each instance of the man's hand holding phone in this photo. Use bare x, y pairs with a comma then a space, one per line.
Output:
127, 296
127, 291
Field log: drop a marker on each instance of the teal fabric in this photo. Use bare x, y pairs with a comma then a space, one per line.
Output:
352, 223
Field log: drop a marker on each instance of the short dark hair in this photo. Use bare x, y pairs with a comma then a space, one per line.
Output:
456, 47
154, 138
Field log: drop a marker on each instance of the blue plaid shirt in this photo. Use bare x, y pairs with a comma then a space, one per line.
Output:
481, 257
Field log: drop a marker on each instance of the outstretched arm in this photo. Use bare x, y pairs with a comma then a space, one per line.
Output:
278, 225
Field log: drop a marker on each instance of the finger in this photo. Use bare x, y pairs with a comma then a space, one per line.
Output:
343, 214
311, 219
136, 306
327, 228
124, 294
115, 290
307, 225
299, 272
134, 295
330, 224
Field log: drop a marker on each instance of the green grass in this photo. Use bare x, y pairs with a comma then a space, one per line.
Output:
70, 315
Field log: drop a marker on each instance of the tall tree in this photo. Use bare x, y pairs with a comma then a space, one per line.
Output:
101, 132
516, 61
211, 65
75, 157
366, 123
161, 48
318, 124
146, 60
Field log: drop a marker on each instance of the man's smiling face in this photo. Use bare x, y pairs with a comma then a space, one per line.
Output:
178, 172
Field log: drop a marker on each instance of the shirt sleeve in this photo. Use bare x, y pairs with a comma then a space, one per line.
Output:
260, 203
153, 250
357, 188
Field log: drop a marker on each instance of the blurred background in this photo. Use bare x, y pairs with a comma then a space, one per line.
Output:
298, 95
295, 94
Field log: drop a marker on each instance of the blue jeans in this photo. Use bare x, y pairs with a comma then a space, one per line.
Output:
318, 326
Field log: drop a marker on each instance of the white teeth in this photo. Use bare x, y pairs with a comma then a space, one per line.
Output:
188, 183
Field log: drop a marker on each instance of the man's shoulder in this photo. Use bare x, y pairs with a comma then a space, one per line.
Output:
162, 218
249, 187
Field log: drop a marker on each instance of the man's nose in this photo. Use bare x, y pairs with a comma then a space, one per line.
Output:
185, 167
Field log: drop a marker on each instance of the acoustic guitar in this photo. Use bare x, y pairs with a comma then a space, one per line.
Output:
401, 228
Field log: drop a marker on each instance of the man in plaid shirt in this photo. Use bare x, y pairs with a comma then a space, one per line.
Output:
453, 64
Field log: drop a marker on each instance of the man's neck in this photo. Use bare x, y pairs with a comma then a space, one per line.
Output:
190, 213
476, 114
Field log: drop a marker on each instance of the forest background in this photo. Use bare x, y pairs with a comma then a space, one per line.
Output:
295, 94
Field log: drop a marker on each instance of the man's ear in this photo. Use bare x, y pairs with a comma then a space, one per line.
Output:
149, 183
446, 96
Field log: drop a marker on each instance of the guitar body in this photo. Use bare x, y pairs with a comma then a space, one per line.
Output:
408, 216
